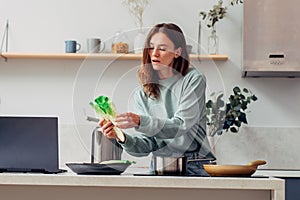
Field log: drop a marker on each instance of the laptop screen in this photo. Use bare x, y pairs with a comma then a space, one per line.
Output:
29, 144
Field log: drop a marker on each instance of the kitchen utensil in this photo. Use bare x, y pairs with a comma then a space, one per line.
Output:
199, 41
103, 148
233, 170
169, 165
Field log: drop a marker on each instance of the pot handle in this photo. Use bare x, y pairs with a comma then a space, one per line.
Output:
257, 162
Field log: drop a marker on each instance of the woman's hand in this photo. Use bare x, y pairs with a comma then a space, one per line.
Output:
127, 120
107, 128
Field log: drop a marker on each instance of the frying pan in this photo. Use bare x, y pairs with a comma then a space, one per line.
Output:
98, 169
233, 170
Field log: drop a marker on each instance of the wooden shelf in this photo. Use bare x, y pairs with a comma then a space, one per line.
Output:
100, 56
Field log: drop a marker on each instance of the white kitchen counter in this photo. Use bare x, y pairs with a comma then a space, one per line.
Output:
72, 186
279, 173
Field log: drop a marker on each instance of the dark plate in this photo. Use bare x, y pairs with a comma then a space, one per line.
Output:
98, 169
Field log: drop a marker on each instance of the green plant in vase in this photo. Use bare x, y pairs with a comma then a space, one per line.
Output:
214, 15
231, 116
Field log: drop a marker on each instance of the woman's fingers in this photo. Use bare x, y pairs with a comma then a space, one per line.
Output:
111, 134
102, 122
107, 124
124, 117
127, 120
122, 121
107, 128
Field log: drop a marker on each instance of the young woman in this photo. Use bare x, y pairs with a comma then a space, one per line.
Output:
170, 106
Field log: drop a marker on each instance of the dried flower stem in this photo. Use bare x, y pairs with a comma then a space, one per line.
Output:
136, 8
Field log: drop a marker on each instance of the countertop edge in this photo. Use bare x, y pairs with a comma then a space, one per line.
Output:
70, 179
278, 173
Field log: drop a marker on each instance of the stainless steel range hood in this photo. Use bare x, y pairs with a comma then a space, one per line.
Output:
271, 38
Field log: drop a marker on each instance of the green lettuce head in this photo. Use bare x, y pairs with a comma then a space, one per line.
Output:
104, 106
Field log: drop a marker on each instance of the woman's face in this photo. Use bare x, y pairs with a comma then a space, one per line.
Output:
162, 53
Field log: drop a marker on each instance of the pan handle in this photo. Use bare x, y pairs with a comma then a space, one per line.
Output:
257, 162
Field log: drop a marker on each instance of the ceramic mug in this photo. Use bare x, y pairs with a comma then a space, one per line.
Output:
94, 44
72, 46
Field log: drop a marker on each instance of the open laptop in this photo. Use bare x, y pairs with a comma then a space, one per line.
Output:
29, 144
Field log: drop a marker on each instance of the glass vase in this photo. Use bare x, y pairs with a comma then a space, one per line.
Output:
139, 42
213, 42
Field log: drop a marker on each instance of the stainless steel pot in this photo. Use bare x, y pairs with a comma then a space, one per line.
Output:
169, 165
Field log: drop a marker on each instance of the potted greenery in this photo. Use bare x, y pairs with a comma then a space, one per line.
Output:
231, 116
213, 16
217, 12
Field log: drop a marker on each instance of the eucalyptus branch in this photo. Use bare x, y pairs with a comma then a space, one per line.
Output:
217, 12
230, 116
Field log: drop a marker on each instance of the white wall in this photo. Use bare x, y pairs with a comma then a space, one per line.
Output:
64, 87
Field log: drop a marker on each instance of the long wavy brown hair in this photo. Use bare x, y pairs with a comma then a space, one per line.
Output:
148, 77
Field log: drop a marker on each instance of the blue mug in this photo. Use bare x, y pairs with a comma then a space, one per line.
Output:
72, 46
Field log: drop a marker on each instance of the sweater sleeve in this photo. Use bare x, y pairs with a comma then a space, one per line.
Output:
138, 145
191, 108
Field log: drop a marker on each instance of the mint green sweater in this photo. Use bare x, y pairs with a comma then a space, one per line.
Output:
175, 124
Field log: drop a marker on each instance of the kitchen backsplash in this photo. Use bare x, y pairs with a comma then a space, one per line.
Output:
278, 146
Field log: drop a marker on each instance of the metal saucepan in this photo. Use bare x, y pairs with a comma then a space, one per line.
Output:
233, 170
169, 165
